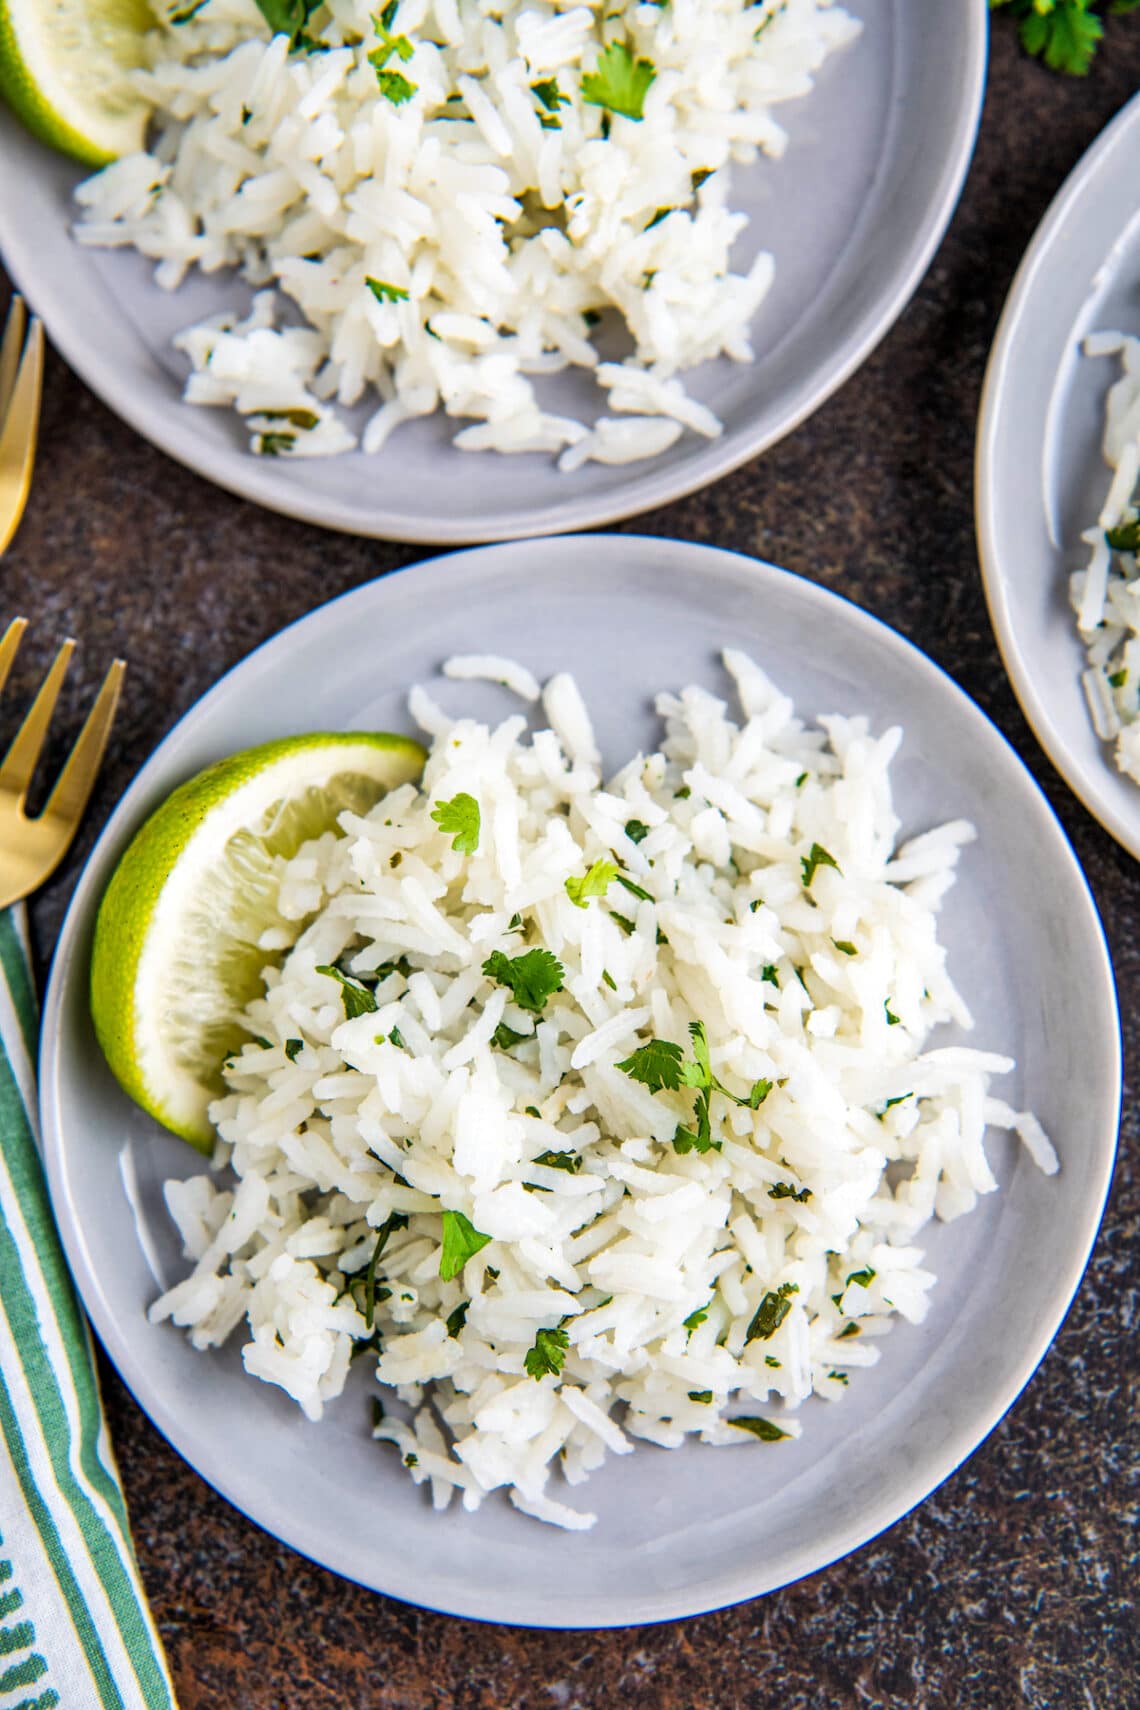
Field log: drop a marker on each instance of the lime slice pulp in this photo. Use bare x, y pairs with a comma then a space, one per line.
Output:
63, 71
178, 939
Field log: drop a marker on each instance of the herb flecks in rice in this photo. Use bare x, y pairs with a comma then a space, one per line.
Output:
624, 1181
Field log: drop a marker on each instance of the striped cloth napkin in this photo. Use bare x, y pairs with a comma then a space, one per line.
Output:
75, 1629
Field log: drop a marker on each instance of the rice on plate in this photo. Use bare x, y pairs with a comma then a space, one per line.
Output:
1104, 593
450, 196
595, 1112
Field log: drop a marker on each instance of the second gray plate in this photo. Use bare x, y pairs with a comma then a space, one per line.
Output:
685, 1531
853, 215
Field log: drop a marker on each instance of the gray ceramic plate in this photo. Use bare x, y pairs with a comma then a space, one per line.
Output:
1041, 478
697, 1528
853, 214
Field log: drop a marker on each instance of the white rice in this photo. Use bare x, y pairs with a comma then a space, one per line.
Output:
1106, 594
658, 1264
497, 211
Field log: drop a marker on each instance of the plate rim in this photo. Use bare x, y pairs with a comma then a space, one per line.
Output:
654, 488
1089, 787
644, 1607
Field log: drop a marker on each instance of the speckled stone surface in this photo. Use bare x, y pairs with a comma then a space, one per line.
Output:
1015, 1584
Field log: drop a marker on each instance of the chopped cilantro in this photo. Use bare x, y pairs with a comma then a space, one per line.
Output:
568, 1161
785, 1190
548, 1354
1125, 538
595, 883
608, 980
851, 1329
533, 977
892, 1019
901, 1099
762, 1428
619, 82
303, 419
293, 1048
703, 1395
626, 924
395, 87
396, 1038
634, 890
505, 1038
697, 1318
838, 1377
636, 830
1118, 678
385, 293
864, 1278
274, 444
457, 1319
461, 1241
770, 1313
357, 999
549, 94
459, 819
287, 18
769, 973
683, 794
844, 947
771, 1360
816, 857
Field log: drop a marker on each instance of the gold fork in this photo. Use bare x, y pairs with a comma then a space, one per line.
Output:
31, 849
21, 377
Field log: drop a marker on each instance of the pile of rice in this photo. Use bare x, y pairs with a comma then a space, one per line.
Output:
679, 1290
445, 150
1106, 594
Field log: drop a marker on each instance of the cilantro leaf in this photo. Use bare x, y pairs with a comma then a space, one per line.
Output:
394, 86
594, 884
699, 1139
385, 293
460, 820
548, 1354
619, 82
461, 1241
816, 857
357, 999
549, 94
1126, 538
569, 1161
658, 1065
286, 17
785, 1190
762, 1428
533, 977
505, 1038
697, 1318
770, 1313
636, 830
759, 1092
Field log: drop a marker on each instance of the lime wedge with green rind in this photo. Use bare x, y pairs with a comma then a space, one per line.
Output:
178, 939
64, 68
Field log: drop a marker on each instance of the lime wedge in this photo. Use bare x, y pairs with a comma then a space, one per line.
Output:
63, 71
177, 953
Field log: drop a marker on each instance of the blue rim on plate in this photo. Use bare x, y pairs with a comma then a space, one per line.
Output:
686, 1531
858, 207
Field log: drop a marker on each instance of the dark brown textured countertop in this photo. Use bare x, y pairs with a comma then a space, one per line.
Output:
1015, 1584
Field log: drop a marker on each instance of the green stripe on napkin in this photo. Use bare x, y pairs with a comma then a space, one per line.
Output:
75, 1629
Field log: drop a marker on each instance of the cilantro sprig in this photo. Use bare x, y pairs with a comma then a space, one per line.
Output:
1064, 33
662, 1066
357, 999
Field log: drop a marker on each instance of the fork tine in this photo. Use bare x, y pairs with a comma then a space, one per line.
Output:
20, 760
70, 795
18, 434
13, 636
10, 348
